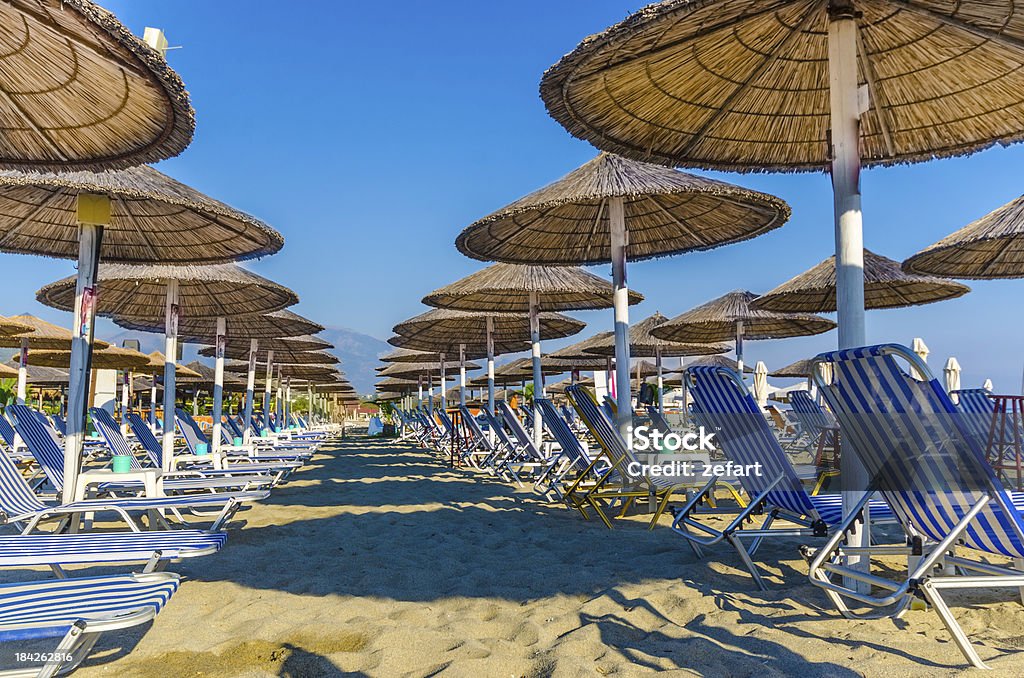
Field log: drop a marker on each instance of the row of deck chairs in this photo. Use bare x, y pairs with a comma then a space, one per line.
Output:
200, 497
932, 497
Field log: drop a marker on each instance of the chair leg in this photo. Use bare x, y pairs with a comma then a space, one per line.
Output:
748, 561
935, 599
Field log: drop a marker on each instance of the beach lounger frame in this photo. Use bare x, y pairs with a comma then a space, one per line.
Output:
912, 440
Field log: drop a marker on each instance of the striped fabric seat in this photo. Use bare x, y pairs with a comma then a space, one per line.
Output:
194, 436
42, 442
522, 437
106, 547
745, 437
918, 450
560, 431
77, 610
813, 419
658, 420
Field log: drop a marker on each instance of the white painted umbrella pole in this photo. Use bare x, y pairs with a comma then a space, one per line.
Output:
287, 402
219, 346
842, 61
419, 389
444, 401
462, 374
250, 389
268, 384
490, 364
620, 305
430, 395
23, 371
661, 381
152, 403
280, 396
170, 371
538, 378
126, 382
309, 400
739, 347
91, 209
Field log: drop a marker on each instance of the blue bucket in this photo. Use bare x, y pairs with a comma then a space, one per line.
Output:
237, 441
121, 463
202, 449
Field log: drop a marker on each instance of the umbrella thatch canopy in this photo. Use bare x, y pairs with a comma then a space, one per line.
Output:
711, 361
156, 364
140, 292
264, 326
109, 358
991, 247
801, 368
413, 370
579, 349
41, 376
207, 376
717, 320
282, 347
444, 329
297, 358
643, 344
10, 327
8, 372
43, 335
666, 212
408, 355
309, 372
565, 383
82, 92
396, 384
524, 368
507, 287
742, 85
885, 286
153, 219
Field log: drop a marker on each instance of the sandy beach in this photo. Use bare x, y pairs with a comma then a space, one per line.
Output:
379, 561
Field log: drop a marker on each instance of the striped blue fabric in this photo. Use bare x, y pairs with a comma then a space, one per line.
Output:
560, 431
498, 429
745, 437
42, 442
523, 438
111, 433
977, 409
602, 429
16, 496
232, 426
7, 432
922, 456
60, 424
59, 603
658, 420
149, 442
810, 414
106, 547
474, 428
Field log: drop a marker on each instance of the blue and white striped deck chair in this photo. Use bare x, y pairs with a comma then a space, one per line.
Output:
923, 459
588, 470
19, 505
769, 478
658, 420
551, 468
77, 612
479, 448
175, 482
60, 424
42, 443
194, 436
15, 447
978, 413
506, 460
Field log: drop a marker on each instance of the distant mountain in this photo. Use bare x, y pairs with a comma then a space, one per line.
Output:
358, 354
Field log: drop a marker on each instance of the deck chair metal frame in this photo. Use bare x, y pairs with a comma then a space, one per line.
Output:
914, 443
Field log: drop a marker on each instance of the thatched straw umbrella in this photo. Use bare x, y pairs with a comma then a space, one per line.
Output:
256, 328
157, 296
39, 335
644, 344
799, 369
731, 316
136, 215
589, 216
157, 365
440, 329
740, 85
420, 370
885, 286
88, 94
408, 355
985, 249
518, 288
281, 347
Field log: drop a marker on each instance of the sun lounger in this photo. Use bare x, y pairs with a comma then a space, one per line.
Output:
771, 482
923, 459
77, 612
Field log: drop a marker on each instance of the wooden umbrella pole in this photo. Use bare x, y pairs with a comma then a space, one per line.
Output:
268, 384
842, 61
538, 378
170, 371
23, 371
250, 388
218, 381
462, 374
444, 400
93, 215
620, 304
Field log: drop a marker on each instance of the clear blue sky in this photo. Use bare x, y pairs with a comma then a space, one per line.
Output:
370, 134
